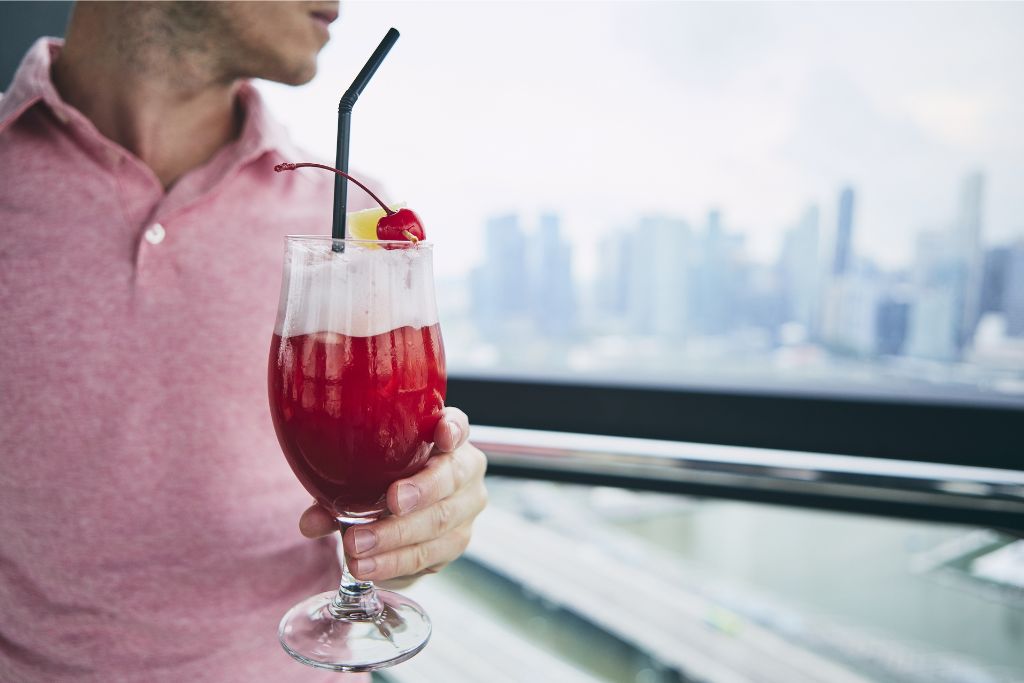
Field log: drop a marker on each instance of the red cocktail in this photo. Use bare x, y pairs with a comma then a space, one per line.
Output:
353, 414
357, 385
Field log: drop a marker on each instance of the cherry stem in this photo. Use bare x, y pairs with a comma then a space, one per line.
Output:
287, 166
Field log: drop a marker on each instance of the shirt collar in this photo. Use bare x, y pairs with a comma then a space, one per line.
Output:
32, 83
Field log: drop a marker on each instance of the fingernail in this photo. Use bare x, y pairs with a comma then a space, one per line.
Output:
364, 540
455, 431
363, 567
408, 496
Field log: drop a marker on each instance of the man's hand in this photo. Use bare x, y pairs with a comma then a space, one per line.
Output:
433, 511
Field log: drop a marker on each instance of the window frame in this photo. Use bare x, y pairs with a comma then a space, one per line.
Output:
913, 430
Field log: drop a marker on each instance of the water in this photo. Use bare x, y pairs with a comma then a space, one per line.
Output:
854, 570
889, 601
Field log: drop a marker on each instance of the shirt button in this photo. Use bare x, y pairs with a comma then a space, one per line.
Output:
155, 234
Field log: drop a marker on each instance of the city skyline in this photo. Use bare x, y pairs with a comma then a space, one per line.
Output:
692, 289
847, 256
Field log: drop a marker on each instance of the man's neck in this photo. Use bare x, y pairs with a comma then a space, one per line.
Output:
170, 110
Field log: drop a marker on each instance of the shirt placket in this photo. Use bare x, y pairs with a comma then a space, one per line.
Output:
137, 192
140, 196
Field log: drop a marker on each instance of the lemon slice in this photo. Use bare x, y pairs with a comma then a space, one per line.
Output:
362, 225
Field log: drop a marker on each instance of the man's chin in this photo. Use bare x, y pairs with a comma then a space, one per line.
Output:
299, 74
301, 80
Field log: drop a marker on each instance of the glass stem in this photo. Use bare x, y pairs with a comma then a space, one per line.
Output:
356, 600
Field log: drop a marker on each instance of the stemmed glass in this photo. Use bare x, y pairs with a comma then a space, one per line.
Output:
357, 384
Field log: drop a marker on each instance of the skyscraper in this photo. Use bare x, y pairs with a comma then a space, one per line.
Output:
714, 224
993, 280
658, 271
1013, 297
933, 313
850, 314
892, 319
931, 318
969, 267
799, 272
844, 233
847, 311
553, 299
614, 275
500, 284
711, 302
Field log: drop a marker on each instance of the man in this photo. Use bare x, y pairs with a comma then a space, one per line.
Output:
146, 512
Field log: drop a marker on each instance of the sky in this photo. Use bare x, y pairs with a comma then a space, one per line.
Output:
604, 112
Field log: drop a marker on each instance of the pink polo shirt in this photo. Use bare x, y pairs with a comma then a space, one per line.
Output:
148, 520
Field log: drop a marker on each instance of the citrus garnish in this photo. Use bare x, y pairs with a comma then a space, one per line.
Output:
362, 225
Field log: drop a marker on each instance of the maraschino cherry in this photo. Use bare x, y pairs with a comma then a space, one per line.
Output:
403, 224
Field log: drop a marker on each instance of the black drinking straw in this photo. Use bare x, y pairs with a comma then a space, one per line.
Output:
348, 101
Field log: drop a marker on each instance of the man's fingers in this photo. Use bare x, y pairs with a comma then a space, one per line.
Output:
443, 475
452, 430
316, 522
433, 521
421, 558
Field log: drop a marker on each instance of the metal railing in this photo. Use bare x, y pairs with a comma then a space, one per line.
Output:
892, 488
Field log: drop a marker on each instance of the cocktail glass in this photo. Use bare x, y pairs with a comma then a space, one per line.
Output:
357, 385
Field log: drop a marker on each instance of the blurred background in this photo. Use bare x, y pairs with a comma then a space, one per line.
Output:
821, 197
736, 294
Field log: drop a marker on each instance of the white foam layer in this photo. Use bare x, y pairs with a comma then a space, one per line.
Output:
361, 292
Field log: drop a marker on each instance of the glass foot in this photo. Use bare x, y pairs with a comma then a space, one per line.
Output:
311, 635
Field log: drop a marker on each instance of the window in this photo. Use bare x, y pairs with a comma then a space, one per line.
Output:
773, 225
769, 196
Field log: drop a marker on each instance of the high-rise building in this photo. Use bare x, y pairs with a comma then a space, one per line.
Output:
850, 314
844, 234
932, 318
553, 299
800, 273
1013, 296
611, 288
847, 321
714, 223
993, 280
713, 279
501, 283
967, 241
658, 270
891, 325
